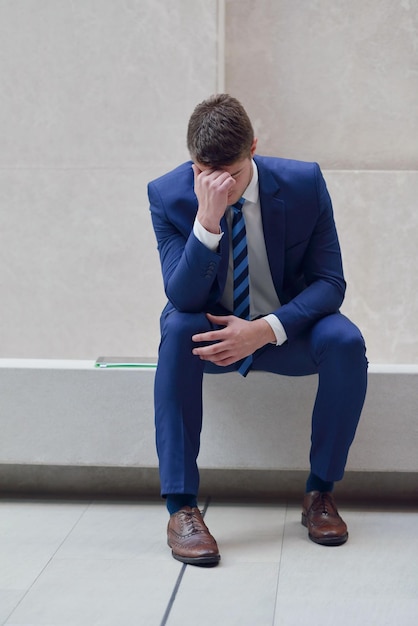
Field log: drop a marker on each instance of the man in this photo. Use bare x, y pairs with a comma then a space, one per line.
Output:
265, 297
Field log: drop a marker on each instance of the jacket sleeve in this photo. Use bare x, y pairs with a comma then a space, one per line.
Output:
189, 268
322, 270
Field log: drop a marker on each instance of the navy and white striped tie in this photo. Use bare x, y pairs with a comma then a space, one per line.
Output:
241, 278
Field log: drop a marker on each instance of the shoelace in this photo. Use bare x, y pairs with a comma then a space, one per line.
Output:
325, 503
193, 523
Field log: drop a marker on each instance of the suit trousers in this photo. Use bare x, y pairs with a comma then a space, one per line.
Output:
333, 348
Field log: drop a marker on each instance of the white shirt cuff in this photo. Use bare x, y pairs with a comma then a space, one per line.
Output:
210, 240
277, 328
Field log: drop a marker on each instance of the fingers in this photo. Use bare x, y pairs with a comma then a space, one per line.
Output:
212, 188
216, 349
196, 172
210, 335
223, 348
220, 320
216, 353
212, 179
213, 335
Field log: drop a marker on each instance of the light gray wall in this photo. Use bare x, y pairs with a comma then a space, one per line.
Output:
337, 82
94, 101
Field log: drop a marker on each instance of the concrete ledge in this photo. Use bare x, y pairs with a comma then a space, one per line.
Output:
233, 485
69, 427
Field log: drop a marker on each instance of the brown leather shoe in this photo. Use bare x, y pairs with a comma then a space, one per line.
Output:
190, 540
321, 518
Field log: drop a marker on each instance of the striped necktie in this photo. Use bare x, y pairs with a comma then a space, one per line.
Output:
241, 278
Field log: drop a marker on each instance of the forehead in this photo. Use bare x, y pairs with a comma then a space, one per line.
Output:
234, 168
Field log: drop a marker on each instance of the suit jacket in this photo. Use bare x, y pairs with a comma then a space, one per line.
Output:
300, 235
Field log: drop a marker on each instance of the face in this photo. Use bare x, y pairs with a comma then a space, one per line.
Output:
241, 171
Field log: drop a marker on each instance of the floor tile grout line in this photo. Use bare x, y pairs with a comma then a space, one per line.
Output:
173, 595
47, 563
280, 564
180, 577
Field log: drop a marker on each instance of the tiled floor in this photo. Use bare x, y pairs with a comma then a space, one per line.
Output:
106, 564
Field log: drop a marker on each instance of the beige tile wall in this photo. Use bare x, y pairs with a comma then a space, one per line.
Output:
95, 97
337, 82
94, 101
328, 80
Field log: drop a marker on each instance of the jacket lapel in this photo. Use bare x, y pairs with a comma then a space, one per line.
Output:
273, 218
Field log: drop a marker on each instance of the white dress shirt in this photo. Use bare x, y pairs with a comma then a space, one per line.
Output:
263, 297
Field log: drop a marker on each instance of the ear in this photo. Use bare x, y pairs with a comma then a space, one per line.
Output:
253, 146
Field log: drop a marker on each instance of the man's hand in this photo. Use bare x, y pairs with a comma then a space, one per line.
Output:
211, 188
235, 341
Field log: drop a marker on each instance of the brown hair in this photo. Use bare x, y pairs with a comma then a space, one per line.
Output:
219, 131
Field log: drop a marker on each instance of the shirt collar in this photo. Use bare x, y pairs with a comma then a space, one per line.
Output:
251, 193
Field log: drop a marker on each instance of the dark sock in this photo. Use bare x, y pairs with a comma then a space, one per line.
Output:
314, 483
176, 501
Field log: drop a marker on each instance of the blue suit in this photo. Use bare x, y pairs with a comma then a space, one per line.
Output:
305, 264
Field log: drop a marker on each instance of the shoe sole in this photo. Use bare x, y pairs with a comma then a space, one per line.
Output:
198, 560
324, 541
